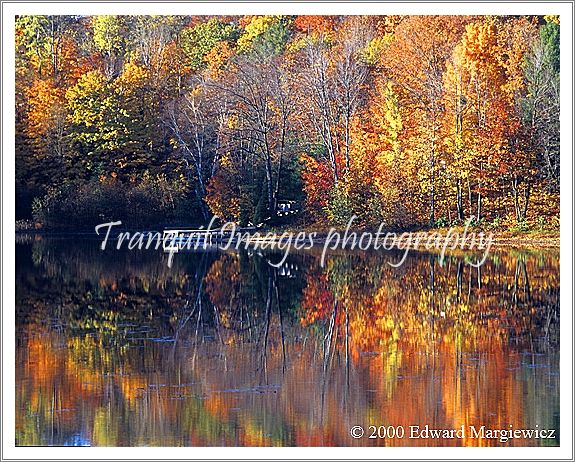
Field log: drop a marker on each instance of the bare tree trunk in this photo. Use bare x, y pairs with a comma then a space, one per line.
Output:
470, 196
269, 183
526, 196
432, 196
459, 201
520, 210
479, 195
478, 206
515, 198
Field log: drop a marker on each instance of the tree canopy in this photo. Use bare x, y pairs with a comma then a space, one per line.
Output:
406, 120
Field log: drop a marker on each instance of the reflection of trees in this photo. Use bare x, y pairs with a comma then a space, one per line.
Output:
457, 326
226, 349
75, 285
423, 302
246, 293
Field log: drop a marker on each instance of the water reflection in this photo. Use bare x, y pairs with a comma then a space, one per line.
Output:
223, 349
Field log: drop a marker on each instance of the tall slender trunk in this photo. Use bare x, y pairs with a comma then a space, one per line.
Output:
514, 182
432, 195
347, 137
269, 183
459, 201
280, 165
478, 207
479, 194
526, 197
520, 209
470, 196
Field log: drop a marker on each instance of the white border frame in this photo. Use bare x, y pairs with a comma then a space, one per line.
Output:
10, 9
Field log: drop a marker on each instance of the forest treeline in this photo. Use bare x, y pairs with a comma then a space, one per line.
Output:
406, 120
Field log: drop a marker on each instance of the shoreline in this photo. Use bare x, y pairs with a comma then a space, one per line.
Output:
527, 241
500, 239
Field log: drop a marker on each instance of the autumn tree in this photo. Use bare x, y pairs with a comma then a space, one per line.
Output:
197, 41
259, 92
415, 61
43, 39
477, 74
541, 103
193, 121
110, 38
405, 120
114, 125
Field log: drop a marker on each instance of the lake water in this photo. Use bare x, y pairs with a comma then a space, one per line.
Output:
113, 348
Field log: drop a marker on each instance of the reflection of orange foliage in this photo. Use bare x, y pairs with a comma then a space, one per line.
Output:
420, 352
405, 311
318, 300
413, 330
222, 280
217, 405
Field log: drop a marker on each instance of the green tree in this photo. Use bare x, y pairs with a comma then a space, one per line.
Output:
93, 125
110, 34
199, 40
42, 38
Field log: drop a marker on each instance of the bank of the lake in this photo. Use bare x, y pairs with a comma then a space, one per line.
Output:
531, 239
